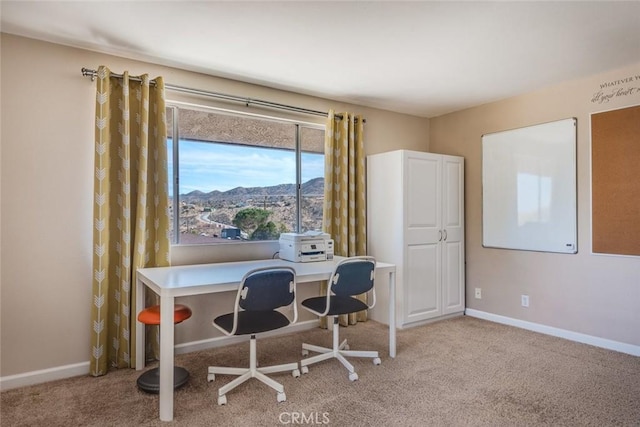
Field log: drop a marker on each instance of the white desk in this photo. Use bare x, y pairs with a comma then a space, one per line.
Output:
172, 282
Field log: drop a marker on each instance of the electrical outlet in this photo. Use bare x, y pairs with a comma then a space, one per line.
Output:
478, 293
525, 300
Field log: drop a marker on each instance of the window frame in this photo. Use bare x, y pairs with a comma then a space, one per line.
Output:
174, 135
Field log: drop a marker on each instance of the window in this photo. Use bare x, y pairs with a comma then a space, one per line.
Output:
237, 177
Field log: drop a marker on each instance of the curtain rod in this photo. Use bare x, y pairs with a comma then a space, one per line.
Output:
86, 72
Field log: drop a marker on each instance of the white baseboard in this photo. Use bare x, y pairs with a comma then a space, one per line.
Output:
621, 347
68, 371
44, 375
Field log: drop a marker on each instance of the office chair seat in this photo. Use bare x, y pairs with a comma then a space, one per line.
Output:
351, 277
337, 305
261, 293
149, 381
253, 322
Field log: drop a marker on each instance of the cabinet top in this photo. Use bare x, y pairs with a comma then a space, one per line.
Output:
406, 153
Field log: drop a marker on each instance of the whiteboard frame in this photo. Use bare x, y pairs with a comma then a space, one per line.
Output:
552, 147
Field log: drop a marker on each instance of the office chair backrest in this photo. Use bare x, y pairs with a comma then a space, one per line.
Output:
267, 289
353, 276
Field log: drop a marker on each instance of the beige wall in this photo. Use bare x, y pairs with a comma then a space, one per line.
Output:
46, 169
47, 135
590, 294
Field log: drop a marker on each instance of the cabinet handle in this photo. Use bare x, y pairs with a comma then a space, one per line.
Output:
445, 235
439, 235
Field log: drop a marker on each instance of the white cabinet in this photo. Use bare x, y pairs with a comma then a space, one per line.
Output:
415, 219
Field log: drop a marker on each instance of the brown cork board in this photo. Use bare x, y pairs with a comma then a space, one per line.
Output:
615, 181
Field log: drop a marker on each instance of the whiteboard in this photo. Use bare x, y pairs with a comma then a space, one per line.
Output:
529, 188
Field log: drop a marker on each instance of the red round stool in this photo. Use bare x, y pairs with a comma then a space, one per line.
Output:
150, 380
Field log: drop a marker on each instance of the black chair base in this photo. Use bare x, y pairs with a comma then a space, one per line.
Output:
149, 382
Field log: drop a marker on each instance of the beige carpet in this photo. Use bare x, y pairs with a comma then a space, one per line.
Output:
457, 372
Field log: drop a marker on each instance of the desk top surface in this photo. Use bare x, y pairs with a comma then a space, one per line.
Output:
220, 277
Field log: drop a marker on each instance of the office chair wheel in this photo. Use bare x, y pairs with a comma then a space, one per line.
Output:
346, 347
211, 377
305, 352
222, 400
282, 397
377, 361
305, 369
296, 373
353, 376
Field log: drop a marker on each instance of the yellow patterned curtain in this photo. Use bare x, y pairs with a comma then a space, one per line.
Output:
131, 220
345, 196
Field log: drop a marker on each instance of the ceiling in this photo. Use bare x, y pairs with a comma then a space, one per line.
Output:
420, 58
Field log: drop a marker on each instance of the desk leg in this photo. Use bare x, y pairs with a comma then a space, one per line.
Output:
140, 335
166, 358
392, 314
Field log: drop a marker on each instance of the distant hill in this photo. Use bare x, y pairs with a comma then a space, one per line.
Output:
313, 187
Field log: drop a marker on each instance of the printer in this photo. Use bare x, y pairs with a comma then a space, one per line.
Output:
306, 247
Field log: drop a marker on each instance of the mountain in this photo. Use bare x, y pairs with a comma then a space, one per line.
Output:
313, 187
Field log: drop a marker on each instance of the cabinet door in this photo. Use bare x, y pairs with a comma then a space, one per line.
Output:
453, 266
422, 293
423, 191
422, 233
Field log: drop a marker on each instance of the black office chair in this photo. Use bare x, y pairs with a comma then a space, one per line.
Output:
351, 276
262, 292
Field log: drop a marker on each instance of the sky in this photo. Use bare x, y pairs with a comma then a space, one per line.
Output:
208, 166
